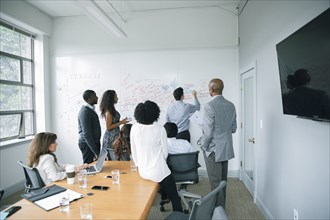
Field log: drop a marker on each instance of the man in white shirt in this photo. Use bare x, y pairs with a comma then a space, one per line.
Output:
175, 146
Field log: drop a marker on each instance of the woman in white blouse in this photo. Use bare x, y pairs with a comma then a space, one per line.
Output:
149, 151
41, 155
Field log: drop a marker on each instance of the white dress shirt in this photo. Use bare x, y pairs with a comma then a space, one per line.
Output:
149, 151
177, 146
49, 170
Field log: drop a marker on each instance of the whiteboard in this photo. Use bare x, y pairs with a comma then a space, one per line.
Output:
136, 77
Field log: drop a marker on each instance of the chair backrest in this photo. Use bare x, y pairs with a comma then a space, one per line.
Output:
33, 179
184, 166
203, 208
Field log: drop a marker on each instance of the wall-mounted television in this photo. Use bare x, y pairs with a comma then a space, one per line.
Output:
304, 68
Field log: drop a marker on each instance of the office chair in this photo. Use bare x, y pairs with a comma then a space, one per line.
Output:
33, 179
184, 168
3, 207
203, 208
1, 193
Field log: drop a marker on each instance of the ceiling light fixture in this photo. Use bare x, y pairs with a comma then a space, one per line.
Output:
95, 12
114, 10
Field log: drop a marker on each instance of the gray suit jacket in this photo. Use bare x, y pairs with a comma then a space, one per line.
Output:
219, 122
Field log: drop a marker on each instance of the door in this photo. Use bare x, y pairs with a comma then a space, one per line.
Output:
248, 128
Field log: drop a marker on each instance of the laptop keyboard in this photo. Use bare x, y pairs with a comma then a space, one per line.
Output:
90, 169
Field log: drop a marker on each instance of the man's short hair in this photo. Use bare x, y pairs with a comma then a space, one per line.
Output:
178, 93
87, 94
171, 129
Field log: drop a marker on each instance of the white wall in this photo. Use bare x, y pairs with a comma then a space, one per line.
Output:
292, 153
188, 46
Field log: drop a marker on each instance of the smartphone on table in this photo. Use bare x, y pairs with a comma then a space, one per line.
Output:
103, 188
12, 210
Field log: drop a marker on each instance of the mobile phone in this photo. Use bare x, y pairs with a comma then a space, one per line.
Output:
100, 187
12, 210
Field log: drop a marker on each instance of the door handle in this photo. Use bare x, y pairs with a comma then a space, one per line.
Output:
252, 140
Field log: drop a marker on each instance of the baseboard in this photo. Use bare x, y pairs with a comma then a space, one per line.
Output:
13, 189
263, 209
231, 173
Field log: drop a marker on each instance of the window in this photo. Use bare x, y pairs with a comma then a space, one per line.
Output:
17, 114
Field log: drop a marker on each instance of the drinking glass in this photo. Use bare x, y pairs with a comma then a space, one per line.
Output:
82, 179
64, 202
115, 176
86, 211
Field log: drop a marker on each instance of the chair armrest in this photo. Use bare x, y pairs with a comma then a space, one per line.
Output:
219, 213
177, 216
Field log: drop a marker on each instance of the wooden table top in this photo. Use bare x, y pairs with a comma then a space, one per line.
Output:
131, 199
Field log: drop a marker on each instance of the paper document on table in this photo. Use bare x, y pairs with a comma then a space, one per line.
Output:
52, 202
197, 118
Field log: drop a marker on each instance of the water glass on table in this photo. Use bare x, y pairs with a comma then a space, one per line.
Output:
86, 211
115, 176
82, 179
133, 165
64, 202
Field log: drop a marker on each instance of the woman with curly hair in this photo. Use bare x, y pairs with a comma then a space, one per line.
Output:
41, 155
122, 145
149, 151
112, 119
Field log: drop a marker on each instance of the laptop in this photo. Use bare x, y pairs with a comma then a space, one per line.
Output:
96, 168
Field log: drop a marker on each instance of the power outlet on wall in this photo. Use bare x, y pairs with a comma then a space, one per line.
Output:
295, 214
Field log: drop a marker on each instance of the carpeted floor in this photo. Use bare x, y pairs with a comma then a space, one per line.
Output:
239, 204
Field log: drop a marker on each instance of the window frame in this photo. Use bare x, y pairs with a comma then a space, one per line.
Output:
21, 132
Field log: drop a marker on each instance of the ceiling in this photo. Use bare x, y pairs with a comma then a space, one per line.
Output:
63, 8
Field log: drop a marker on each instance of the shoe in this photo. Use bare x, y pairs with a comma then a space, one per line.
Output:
164, 201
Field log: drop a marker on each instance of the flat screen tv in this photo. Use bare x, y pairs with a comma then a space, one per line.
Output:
304, 67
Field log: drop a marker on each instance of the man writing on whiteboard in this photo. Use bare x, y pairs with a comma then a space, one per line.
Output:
180, 112
219, 122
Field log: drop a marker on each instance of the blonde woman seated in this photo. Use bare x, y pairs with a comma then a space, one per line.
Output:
41, 155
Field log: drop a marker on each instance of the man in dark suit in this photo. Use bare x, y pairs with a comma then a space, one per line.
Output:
89, 128
219, 122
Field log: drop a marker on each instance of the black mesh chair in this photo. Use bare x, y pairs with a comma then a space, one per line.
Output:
1, 193
184, 168
33, 179
203, 208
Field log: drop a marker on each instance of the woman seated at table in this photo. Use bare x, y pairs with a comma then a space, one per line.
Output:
122, 145
149, 151
41, 155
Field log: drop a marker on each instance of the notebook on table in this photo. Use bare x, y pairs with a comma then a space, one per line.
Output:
96, 168
48, 197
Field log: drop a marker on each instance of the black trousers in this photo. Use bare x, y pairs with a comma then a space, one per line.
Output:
168, 189
87, 153
185, 135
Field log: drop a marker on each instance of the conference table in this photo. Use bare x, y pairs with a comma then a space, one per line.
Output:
131, 199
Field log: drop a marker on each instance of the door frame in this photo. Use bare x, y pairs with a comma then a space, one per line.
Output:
250, 185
